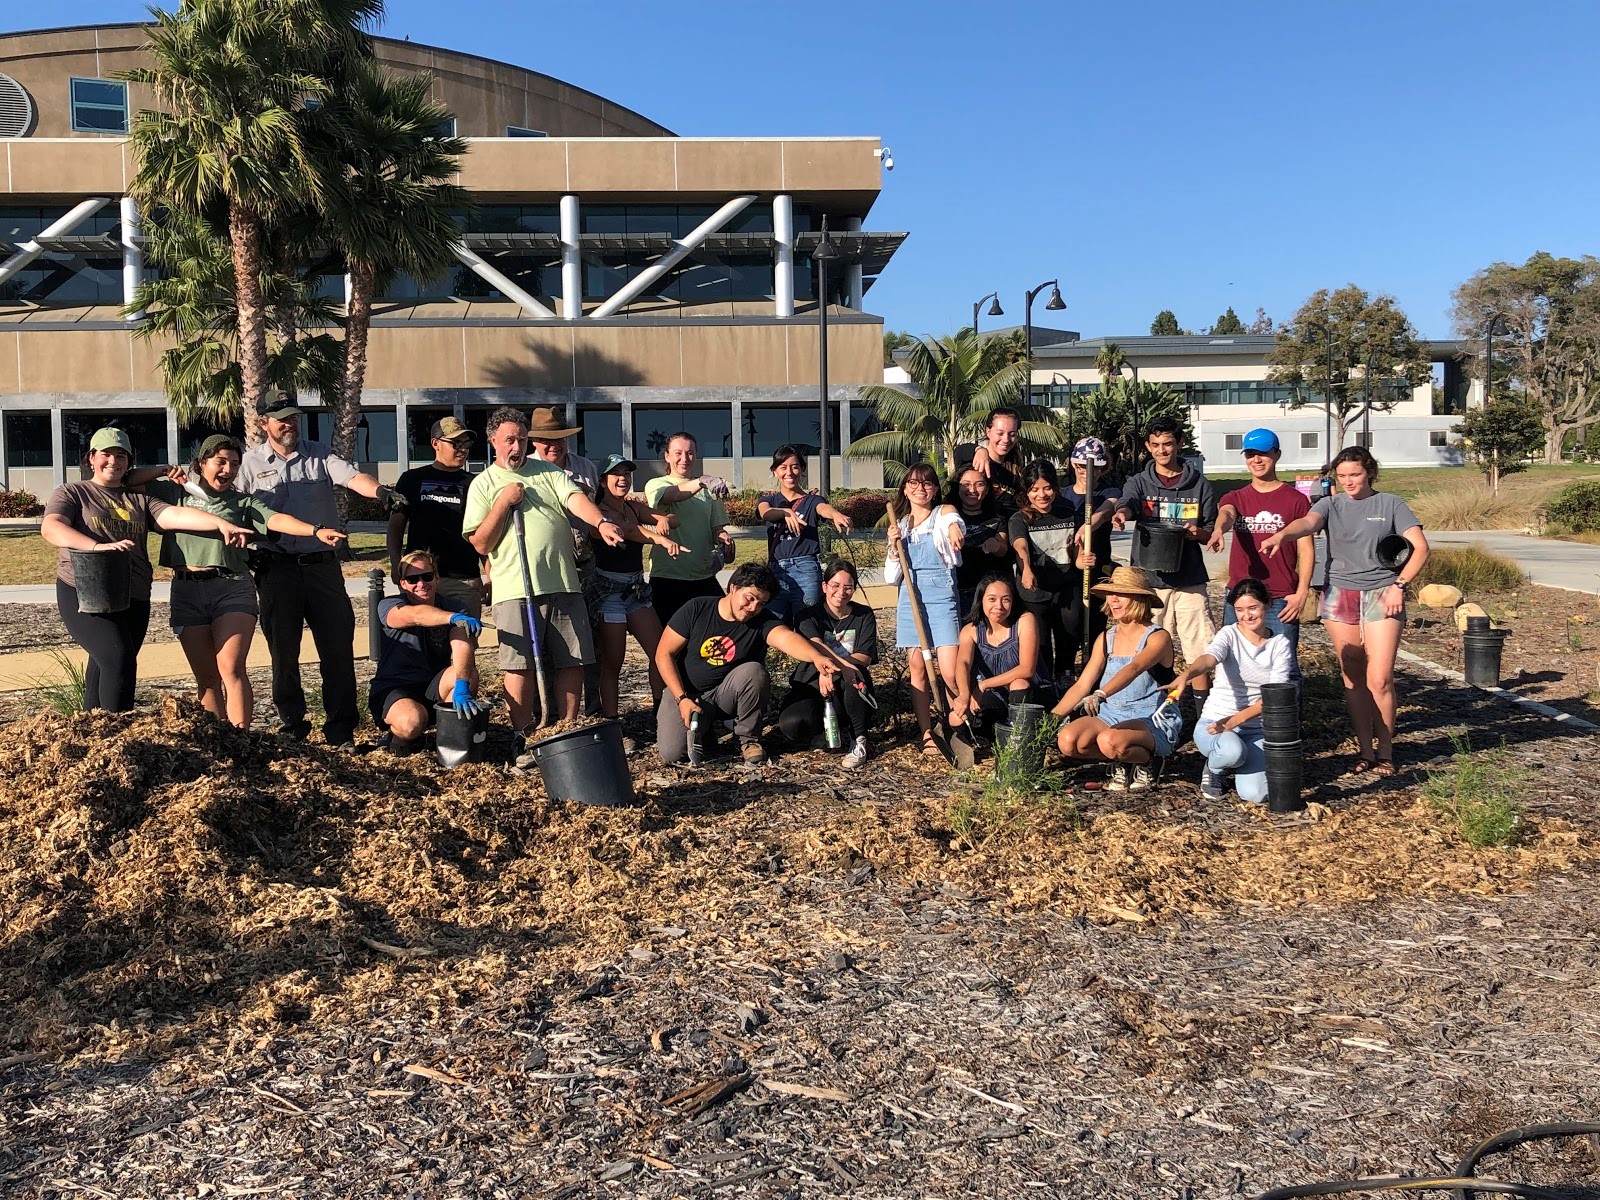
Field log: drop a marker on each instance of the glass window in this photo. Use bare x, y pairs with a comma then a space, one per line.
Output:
419, 427
710, 427
375, 436
1233, 441
99, 106
519, 131
1438, 437
1364, 440
27, 439
1308, 441
190, 436
768, 426
599, 433
146, 430
446, 128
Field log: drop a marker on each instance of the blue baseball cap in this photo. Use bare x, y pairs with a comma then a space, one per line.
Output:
1260, 441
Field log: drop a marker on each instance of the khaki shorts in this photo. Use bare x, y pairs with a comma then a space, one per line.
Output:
1186, 615
465, 594
565, 638
198, 602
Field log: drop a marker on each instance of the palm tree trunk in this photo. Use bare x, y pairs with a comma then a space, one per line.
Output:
358, 325
244, 232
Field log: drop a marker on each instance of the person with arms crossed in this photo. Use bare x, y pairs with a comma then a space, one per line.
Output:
436, 500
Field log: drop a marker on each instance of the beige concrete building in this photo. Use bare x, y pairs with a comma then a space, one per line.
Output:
645, 282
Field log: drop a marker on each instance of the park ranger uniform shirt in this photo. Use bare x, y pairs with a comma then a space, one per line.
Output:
300, 485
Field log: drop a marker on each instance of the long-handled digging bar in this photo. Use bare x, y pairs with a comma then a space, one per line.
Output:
531, 616
959, 748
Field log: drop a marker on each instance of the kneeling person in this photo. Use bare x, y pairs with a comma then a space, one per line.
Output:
426, 656
713, 660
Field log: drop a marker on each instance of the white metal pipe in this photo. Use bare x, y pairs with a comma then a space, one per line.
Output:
493, 277
854, 284
28, 251
681, 250
571, 260
783, 260
132, 257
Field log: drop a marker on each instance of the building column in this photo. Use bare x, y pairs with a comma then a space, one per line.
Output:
571, 260
132, 256
845, 473
783, 256
627, 433
58, 462
402, 434
174, 449
854, 285
5, 460
736, 415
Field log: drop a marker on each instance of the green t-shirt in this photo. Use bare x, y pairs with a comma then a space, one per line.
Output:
196, 551
698, 518
548, 537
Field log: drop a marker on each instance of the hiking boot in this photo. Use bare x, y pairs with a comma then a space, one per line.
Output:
1213, 786
1117, 781
402, 747
857, 755
1142, 779
753, 755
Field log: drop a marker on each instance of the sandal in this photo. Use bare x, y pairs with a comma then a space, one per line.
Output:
1362, 765
1384, 768
930, 746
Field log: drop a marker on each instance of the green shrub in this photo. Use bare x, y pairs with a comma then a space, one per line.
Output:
865, 508
19, 504
1576, 507
364, 508
1478, 793
1471, 569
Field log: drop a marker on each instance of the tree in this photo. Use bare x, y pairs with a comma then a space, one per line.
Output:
233, 76
1376, 357
1500, 436
1118, 415
895, 340
1109, 363
953, 392
1165, 324
1001, 350
387, 200
1262, 323
1228, 323
1547, 333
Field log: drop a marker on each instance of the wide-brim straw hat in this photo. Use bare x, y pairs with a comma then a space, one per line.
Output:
546, 425
1130, 581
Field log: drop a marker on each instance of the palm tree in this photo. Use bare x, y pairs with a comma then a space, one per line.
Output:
1109, 362
1118, 415
955, 390
388, 203
232, 76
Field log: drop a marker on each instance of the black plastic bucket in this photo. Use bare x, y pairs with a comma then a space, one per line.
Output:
588, 765
1480, 651
459, 739
1279, 696
1025, 756
1285, 776
104, 579
1161, 547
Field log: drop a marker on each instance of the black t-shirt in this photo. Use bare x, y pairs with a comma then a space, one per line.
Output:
410, 657
854, 633
782, 543
436, 499
626, 559
1100, 540
715, 645
975, 561
1005, 478
1050, 548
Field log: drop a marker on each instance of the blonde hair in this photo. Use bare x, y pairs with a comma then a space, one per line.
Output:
419, 558
1137, 613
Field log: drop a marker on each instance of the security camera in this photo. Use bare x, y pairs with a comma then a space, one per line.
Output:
888, 157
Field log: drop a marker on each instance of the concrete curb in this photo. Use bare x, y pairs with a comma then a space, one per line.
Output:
1543, 710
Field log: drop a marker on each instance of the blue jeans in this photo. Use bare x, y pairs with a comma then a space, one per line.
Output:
799, 587
1243, 755
1276, 623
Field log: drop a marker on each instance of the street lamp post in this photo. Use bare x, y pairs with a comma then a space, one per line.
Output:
1055, 303
1366, 399
825, 253
994, 309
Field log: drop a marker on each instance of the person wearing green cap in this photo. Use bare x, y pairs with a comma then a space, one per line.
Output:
101, 514
214, 604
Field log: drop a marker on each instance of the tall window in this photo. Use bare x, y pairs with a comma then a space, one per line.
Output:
711, 428
766, 427
1233, 441
1438, 437
27, 439
146, 430
99, 106
1364, 440
599, 432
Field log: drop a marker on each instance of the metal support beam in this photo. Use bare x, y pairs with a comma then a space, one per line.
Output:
681, 249
58, 462
854, 285
402, 434
571, 260
498, 281
28, 251
736, 414
132, 257
783, 256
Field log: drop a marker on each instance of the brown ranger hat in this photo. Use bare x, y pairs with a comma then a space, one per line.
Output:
1130, 581
548, 427
448, 429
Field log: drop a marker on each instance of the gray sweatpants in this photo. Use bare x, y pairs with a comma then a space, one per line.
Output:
740, 697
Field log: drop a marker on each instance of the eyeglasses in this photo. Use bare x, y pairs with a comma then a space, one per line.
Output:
420, 577
921, 483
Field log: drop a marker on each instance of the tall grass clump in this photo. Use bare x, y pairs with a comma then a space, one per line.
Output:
1020, 777
62, 694
1477, 794
1471, 507
1471, 569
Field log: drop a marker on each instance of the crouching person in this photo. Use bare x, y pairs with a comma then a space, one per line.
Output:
712, 658
425, 658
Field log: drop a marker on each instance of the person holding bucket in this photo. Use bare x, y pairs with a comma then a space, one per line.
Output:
1245, 655
1376, 547
214, 604
103, 570
1124, 720
426, 657
794, 541
924, 550
998, 658
848, 631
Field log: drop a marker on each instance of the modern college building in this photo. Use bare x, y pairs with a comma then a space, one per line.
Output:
642, 282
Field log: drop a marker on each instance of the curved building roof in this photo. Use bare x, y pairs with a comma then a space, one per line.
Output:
489, 98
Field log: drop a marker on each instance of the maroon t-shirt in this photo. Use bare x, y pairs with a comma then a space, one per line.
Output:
1262, 514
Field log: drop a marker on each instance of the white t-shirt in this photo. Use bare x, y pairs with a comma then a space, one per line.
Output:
1242, 668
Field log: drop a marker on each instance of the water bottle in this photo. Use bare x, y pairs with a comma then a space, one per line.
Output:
830, 725
696, 755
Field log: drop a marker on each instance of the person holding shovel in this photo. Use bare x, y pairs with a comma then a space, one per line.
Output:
101, 515
924, 550
516, 517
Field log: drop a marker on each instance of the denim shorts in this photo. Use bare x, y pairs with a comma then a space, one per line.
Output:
620, 596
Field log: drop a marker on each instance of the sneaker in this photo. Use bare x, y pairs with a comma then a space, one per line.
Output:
1117, 781
857, 755
1142, 779
521, 757
1213, 786
753, 755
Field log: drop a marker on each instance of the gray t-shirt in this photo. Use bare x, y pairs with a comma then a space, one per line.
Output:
1355, 527
300, 485
107, 515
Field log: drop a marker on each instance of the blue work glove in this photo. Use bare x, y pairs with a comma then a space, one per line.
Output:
463, 701
471, 624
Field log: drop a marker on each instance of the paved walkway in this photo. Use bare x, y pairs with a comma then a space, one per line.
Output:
1549, 562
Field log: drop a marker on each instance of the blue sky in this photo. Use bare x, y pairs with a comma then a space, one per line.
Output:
1150, 155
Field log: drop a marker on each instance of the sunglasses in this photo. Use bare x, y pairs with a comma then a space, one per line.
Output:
420, 577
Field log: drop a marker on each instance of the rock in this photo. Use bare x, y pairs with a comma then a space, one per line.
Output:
1463, 611
1439, 595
